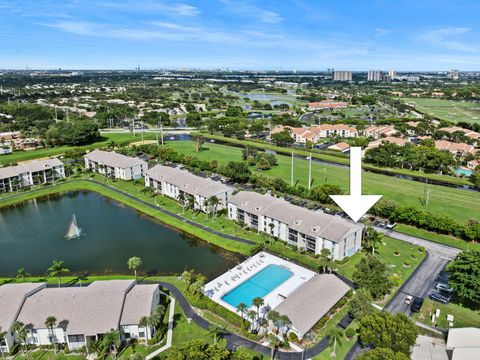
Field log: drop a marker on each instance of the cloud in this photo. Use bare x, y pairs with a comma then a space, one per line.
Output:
382, 31
249, 9
448, 38
179, 9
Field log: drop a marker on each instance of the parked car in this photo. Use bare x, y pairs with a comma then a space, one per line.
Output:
408, 299
416, 304
443, 299
391, 225
444, 288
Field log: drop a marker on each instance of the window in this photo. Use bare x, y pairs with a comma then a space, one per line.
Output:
141, 334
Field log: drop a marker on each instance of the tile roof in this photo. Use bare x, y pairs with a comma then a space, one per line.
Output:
12, 297
90, 310
138, 303
306, 305
29, 166
111, 158
306, 221
187, 182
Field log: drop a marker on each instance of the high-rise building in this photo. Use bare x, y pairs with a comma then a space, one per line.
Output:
342, 76
375, 75
453, 74
392, 73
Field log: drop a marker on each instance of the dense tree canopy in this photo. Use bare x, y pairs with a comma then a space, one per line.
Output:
75, 133
282, 138
464, 275
383, 354
383, 330
372, 274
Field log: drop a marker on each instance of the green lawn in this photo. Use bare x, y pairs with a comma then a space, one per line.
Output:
438, 238
336, 157
463, 204
463, 317
450, 110
399, 272
48, 152
49, 355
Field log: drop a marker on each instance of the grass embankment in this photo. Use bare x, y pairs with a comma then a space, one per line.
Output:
55, 151
463, 204
438, 238
336, 157
450, 110
463, 317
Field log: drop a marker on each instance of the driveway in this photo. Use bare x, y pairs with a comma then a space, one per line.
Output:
423, 279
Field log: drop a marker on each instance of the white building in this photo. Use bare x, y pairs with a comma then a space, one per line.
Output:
173, 182
342, 76
297, 226
463, 343
30, 173
375, 75
84, 314
115, 165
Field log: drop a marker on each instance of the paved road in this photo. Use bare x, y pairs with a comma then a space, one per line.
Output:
422, 281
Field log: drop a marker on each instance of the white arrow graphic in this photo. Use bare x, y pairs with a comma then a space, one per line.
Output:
355, 204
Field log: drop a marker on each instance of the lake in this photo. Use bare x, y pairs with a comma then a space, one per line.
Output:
32, 234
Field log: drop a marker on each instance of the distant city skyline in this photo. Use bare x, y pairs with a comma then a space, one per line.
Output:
404, 35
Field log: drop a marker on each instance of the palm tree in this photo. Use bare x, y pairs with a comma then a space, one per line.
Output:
187, 278
57, 269
22, 274
241, 308
182, 198
274, 317
213, 203
134, 263
274, 343
325, 260
51, 323
252, 315
258, 302
110, 343
145, 322
335, 335
111, 145
215, 331
20, 332
374, 238
2, 338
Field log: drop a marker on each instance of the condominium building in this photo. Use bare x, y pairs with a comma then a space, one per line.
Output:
306, 229
313, 134
375, 75
84, 314
392, 74
454, 148
176, 183
115, 165
380, 131
453, 74
342, 76
30, 173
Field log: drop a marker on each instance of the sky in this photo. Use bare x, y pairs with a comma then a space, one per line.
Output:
405, 35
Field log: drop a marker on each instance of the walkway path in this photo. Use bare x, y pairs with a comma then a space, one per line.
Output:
171, 316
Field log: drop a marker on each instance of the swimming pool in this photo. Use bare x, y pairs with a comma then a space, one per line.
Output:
464, 172
259, 285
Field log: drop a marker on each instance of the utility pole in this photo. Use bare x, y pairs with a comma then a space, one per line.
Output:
291, 172
56, 118
156, 134
161, 133
68, 120
309, 171
133, 127
141, 123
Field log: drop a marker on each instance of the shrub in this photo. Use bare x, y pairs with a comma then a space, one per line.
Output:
350, 333
292, 337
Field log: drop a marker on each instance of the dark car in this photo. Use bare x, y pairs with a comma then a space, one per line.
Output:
442, 277
443, 288
416, 305
442, 299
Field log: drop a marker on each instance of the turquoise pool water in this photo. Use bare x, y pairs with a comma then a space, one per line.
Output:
464, 172
259, 285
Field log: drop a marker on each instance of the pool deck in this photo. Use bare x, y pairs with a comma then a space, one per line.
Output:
234, 277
